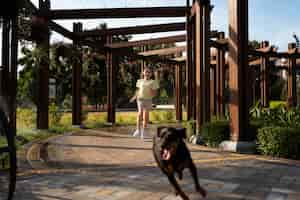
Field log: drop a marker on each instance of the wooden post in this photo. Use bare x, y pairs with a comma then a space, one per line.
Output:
198, 62
76, 81
291, 83
13, 74
43, 73
189, 69
212, 94
238, 69
220, 79
111, 64
206, 59
178, 91
264, 80
143, 62
4, 69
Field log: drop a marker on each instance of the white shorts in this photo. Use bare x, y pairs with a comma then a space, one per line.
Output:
145, 104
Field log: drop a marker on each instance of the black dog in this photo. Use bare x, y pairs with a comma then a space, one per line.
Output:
172, 155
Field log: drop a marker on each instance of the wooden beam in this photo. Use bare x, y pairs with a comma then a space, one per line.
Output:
43, 77
76, 81
198, 64
117, 13
190, 73
166, 51
206, 59
111, 64
61, 30
178, 91
162, 40
134, 30
238, 73
13, 74
52, 25
264, 74
291, 83
220, 81
4, 69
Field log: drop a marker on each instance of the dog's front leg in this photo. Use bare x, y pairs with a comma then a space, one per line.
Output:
177, 187
193, 171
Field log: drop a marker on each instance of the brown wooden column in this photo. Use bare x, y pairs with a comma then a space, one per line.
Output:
206, 59
264, 80
213, 84
238, 69
220, 79
198, 62
190, 83
143, 62
291, 83
4, 68
178, 91
43, 73
13, 73
111, 64
76, 81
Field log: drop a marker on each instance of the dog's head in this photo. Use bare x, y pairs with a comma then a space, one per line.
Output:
168, 139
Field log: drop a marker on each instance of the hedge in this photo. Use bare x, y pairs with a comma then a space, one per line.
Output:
214, 133
279, 142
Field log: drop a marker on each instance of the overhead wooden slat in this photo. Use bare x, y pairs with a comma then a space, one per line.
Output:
61, 30
134, 30
166, 51
162, 40
266, 49
275, 54
52, 25
117, 13
180, 59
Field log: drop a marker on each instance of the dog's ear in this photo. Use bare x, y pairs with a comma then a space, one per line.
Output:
159, 129
181, 132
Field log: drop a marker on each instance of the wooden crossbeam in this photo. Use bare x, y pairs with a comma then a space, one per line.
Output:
165, 51
52, 25
162, 40
134, 30
117, 13
266, 49
61, 30
275, 54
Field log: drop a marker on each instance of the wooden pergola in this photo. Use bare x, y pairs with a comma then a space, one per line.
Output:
205, 73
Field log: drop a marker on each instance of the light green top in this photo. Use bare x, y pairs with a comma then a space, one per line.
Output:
145, 87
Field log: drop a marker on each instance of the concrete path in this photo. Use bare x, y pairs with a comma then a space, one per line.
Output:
113, 165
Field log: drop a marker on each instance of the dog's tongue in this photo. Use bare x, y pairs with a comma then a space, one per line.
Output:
166, 154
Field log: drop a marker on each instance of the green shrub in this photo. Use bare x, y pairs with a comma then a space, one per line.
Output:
277, 104
54, 115
167, 116
26, 118
254, 126
214, 133
155, 116
190, 128
279, 141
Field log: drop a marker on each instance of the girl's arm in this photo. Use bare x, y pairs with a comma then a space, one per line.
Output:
132, 99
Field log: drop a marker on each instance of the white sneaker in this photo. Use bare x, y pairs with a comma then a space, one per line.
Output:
136, 133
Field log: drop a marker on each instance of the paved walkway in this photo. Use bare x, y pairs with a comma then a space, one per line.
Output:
105, 165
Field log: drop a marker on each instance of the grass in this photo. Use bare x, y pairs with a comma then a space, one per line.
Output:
26, 120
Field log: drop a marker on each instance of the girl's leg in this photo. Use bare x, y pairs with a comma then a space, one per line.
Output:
146, 118
145, 122
139, 119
